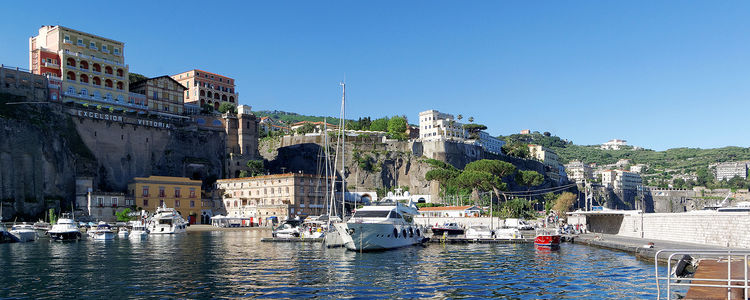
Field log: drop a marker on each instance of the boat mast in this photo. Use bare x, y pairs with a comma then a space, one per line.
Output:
342, 123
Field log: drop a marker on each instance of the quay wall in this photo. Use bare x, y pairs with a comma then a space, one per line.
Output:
724, 229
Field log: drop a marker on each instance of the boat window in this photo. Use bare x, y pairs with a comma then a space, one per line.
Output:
394, 215
371, 214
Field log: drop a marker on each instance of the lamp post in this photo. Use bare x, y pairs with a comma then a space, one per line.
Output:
643, 207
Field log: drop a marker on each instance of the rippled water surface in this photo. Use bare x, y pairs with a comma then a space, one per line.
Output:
237, 264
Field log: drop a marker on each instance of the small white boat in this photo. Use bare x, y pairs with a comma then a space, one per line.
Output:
289, 229
508, 233
478, 232
123, 232
24, 232
102, 232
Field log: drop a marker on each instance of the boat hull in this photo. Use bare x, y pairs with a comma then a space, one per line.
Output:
547, 240
24, 235
65, 236
378, 236
450, 231
103, 236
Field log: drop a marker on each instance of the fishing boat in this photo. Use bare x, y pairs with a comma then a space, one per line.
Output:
24, 232
383, 225
65, 229
447, 229
167, 221
103, 231
547, 237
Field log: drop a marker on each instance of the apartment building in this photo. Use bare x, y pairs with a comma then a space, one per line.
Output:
164, 95
614, 144
490, 143
434, 125
621, 179
207, 88
730, 170
92, 68
545, 155
182, 194
282, 195
579, 172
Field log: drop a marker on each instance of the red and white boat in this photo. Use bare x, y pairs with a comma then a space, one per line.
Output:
547, 238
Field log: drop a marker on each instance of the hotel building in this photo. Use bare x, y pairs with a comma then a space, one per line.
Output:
207, 88
163, 94
182, 194
92, 68
283, 196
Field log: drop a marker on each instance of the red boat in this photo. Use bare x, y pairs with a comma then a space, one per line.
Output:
547, 238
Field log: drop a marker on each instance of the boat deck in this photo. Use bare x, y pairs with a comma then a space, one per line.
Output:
292, 240
717, 269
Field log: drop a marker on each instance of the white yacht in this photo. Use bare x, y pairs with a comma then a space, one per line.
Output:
167, 221
123, 232
65, 229
103, 231
289, 229
139, 231
383, 225
479, 232
24, 232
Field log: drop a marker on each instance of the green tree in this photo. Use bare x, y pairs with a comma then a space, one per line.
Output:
516, 149
397, 128
255, 168
497, 168
474, 129
122, 216
443, 177
306, 128
227, 107
478, 182
529, 179
207, 109
135, 77
380, 125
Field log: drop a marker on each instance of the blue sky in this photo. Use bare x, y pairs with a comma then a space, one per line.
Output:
659, 74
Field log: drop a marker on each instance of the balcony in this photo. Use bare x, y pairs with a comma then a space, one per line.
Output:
94, 48
105, 51
97, 72
69, 67
80, 44
67, 42
51, 65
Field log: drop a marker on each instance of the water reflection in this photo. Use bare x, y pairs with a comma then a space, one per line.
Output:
236, 263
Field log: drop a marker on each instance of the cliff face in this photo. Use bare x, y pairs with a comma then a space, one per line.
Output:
43, 148
373, 164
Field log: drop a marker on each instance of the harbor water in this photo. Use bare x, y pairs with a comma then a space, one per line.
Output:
236, 264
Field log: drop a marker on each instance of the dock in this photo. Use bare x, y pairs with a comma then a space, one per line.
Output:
291, 240
715, 269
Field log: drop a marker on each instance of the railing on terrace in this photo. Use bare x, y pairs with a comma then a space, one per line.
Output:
14, 68
716, 284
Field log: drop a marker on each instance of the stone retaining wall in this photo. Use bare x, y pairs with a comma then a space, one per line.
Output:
725, 229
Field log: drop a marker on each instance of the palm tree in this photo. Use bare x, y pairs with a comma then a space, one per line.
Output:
459, 117
471, 119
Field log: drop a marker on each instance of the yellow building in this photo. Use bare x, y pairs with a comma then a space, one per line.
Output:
182, 194
164, 95
92, 68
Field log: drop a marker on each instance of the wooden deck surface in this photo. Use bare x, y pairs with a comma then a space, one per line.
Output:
712, 269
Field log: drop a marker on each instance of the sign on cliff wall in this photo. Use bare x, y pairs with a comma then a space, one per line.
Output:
117, 118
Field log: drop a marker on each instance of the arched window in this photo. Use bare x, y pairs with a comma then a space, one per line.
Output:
223, 97
108, 70
216, 105
231, 99
97, 68
70, 75
84, 65
209, 94
97, 81
217, 97
203, 102
108, 83
84, 78
203, 93
84, 92
71, 62
119, 85
119, 72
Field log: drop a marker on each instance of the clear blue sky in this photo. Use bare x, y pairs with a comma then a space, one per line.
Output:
659, 74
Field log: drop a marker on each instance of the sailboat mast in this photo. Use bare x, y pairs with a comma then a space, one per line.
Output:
343, 150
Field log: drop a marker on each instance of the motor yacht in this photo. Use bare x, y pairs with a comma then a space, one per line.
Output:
447, 229
5, 236
65, 229
479, 232
24, 232
167, 221
123, 232
103, 231
41, 228
288, 229
383, 225
139, 231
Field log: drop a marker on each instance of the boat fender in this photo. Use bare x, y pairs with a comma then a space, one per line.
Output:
350, 231
679, 268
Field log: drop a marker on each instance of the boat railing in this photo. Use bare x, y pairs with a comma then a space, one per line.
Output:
672, 278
